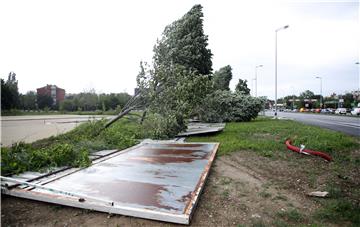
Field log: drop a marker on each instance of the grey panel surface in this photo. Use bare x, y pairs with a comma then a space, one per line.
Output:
196, 128
152, 180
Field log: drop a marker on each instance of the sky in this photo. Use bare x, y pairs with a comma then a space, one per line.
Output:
80, 45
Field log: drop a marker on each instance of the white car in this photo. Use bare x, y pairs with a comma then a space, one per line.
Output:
355, 111
340, 111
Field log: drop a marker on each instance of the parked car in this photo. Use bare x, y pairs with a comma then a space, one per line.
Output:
355, 111
340, 111
318, 110
331, 110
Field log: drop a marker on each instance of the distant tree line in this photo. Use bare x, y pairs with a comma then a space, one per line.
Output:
10, 93
308, 99
90, 101
11, 99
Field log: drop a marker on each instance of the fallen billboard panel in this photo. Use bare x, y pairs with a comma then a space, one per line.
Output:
154, 180
198, 128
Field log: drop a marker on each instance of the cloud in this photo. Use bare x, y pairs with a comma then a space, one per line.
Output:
81, 44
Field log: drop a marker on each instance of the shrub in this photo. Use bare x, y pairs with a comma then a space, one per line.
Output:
160, 127
226, 106
23, 157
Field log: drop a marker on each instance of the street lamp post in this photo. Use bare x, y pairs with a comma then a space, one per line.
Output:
258, 66
321, 102
276, 31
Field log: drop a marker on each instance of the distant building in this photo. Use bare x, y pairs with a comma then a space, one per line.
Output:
56, 93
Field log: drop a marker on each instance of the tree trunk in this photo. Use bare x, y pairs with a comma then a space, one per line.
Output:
143, 117
122, 114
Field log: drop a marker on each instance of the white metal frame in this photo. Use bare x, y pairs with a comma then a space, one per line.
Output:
86, 202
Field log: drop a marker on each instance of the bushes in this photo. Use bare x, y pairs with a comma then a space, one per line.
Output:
160, 127
23, 157
226, 106
69, 149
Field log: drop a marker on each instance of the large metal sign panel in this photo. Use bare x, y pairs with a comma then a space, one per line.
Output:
198, 128
155, 180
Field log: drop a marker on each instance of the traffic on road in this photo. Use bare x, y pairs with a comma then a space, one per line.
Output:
341, 111
338, 122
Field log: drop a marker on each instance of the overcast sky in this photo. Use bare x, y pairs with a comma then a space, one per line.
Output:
83, 45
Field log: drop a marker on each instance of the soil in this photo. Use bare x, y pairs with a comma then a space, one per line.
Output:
242, 189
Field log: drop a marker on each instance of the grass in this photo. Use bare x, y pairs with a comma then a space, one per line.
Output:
339, 210
267, 137
291, 215
265, 194
280, 197
71, 148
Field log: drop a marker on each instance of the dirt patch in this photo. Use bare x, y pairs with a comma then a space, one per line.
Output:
242, 189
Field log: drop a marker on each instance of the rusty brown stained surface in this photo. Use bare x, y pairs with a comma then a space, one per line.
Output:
156, 176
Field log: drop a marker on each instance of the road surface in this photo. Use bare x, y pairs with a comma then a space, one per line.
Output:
346, 124
32, 128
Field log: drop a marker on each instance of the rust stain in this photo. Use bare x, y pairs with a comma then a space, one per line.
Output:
183, 145
185, 198
132, 192
160, 151
163, 160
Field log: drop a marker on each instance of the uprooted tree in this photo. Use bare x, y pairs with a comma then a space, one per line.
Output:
180, 84
180, 76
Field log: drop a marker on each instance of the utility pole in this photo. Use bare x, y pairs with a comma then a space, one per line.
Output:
276, 31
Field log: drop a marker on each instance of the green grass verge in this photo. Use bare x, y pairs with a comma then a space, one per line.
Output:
71, 148
267, 137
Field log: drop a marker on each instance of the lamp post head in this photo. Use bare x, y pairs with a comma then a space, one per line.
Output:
285, 27
318, 77
258, 66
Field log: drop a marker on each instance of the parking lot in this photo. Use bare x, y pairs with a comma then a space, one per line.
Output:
31, 128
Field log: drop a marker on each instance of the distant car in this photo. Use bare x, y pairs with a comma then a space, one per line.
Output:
331, 110
318, 110
355, 111
340, 111
325, 111
295, 110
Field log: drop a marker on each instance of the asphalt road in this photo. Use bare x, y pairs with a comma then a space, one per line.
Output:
32, 128
346, 124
